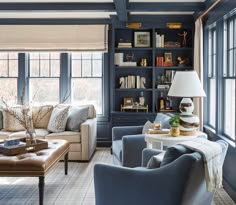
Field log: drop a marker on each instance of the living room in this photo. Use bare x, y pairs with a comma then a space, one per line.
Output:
114, 62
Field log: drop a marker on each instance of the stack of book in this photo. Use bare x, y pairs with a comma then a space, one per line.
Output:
172, 44
125, 45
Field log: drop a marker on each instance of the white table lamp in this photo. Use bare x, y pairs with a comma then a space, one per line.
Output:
187, 85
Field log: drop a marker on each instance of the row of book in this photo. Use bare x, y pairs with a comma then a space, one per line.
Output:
161, 62
160, 40
132, 81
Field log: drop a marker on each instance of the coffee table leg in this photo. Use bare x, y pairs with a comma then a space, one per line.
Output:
41, 189
66, 163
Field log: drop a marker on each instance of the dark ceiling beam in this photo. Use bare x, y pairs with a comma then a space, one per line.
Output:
164, 6
57, 7
52, 21
121, 9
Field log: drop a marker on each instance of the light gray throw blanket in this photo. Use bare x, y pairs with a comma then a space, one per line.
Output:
213, 157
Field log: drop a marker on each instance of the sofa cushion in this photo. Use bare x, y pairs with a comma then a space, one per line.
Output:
174, 152
76, 117
41, 115
9, 121
57, 122
67, 135
40, 134
117, 149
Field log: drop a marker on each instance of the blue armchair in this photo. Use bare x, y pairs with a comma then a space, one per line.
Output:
128, 142
181, 182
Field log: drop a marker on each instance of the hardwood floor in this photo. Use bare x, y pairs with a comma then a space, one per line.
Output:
74, 189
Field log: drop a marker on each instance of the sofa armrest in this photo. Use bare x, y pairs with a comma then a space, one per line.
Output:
88, 133
132, 146
119, 132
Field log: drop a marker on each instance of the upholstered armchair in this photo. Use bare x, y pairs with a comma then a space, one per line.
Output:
128, 142
179, 182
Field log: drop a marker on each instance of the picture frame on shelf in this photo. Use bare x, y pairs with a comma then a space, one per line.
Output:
128, 101
169, 75
141, 39
168, 57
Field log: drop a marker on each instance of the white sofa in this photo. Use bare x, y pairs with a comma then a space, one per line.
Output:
82, 144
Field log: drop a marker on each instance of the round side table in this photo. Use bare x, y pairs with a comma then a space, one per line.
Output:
158, 141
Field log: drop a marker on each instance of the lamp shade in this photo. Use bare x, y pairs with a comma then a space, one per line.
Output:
186, 84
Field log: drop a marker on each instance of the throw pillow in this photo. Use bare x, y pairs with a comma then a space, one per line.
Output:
76, 117
174, 152
148, 125
57, 122
9, 121
164, 119
41, 115
155, 161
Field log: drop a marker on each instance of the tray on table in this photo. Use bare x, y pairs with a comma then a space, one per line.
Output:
24, 147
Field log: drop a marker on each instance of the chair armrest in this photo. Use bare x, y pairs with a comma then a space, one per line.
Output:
133, 146
147, 154
121, 185
88, 133
119, 132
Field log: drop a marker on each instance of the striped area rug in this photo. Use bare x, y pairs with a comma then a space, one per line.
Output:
74, 189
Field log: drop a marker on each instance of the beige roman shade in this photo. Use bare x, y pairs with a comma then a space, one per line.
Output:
53, 37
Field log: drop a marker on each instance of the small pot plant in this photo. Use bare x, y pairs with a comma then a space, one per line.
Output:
174, 125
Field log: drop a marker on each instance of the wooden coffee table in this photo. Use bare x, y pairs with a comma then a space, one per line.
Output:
36, 164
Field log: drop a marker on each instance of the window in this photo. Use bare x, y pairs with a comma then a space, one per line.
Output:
229, 77
212, 77
8, 76
87, 79
44, 77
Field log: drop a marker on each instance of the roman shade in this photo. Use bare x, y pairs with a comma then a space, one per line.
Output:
53, 37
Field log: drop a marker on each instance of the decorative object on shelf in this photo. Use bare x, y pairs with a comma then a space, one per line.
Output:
182, 61
141, 100
143, 62
122, 82
141, 39
168, 59
134, 25
174, 25
184, 35
168, 104
142, 82
129, 57
161, 102
128, 101
174, 125
186, 84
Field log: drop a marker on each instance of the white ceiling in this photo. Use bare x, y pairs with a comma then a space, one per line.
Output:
88, 14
